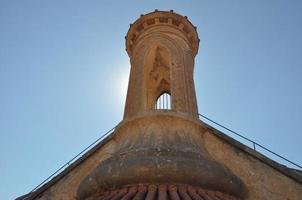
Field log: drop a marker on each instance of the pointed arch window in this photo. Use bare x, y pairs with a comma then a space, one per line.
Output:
163, 101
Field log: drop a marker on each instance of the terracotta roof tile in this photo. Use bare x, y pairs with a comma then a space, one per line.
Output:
163, 192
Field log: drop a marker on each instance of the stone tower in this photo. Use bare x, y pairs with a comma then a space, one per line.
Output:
162, 47
161, 150
161, 147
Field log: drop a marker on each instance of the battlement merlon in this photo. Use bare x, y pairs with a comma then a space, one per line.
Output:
162, 18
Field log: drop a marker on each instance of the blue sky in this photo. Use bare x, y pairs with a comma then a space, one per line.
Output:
64, 73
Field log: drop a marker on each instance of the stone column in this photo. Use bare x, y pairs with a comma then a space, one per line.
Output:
162, 47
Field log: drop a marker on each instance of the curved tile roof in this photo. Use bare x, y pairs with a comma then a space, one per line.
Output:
162, 192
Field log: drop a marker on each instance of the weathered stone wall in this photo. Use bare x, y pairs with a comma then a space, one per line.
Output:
263, 182
66, 188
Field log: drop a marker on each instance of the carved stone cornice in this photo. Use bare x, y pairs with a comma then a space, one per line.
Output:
162, 18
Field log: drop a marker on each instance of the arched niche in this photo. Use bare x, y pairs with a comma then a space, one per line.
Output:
157, 73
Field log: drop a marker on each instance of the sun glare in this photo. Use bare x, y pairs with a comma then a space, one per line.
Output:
123, 80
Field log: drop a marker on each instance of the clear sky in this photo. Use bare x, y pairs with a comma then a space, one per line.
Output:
64, 73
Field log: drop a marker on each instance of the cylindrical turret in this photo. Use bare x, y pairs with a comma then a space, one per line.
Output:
162, 47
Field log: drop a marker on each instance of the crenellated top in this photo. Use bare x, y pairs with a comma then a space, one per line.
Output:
159, 18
